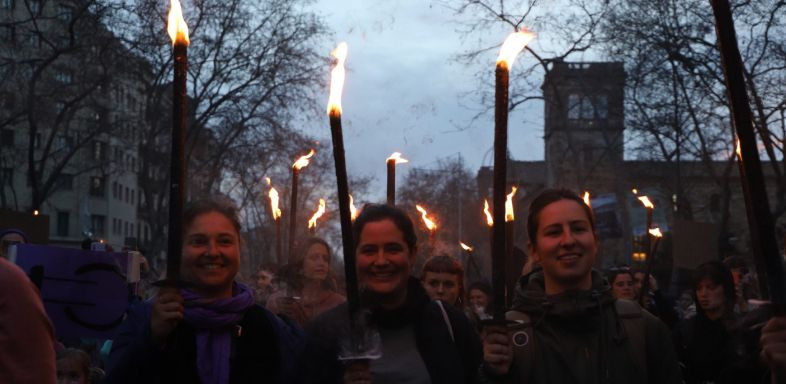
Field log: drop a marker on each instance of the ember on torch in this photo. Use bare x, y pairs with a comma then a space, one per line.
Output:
395, 158
178, 32
299, 164
353, 212
645, 284
275, 211
513, 44
647, 238
509, 229
587, 199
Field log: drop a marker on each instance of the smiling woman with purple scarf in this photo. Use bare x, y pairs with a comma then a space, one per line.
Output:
212, 332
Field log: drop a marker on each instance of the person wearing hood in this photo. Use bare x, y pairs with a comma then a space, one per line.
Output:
565, 326
422, 340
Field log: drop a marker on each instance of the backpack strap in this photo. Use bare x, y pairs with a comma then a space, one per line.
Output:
630, 315
523, 342
447, 319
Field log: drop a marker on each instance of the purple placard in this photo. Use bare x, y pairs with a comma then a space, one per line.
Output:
85, 293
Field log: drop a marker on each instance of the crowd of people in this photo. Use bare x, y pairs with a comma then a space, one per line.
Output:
567, 322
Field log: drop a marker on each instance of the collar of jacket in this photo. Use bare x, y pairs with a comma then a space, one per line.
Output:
403, 315
531, 298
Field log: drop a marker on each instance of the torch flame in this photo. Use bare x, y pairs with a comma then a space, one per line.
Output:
646, 201
424, 215
738, 149
396, 156
312, 222
302, 161
337, 79
353, 212
587, 198
513, 44
268, 181
273, 195
176, 26
466, 247
635, 191
655, 232
509, 216
489, 217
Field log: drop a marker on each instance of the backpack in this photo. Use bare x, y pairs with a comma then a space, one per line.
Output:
520, 331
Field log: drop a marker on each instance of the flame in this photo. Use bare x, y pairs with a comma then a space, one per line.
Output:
176, 26
424, 215
738, 148
635, 191
489, 216
397, 157
35, 213
353, 212
513, 44
273, 195
655, 232
302, 161
466, 247
646, 201
268, 181
587, 198
509, 216
312, 222
337, 79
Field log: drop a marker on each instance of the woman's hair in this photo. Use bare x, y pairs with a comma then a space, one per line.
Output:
444, 264
80, 357
719, 275
486, 289
612, 273
379, 212
547, 197
293, 273
201, 207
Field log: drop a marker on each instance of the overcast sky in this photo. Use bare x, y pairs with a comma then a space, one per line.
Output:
405, 91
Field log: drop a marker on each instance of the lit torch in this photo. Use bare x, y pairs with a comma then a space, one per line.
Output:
353, 212
345, 215
178, 32
275, 210
299, 164
509, 224
645, 284
430, 225
513, 44
312, 222
587, 199
391, 162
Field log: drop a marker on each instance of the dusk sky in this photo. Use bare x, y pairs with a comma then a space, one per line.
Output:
406, 92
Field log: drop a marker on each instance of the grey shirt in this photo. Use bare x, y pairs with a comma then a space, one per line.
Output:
401, 362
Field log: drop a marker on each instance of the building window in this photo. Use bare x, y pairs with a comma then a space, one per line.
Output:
63, 143
97, 225
125, 228
97, 186
6, 4
6, 176
587, 107
65, 182
65, 12
64, 77
8, 33
99, 151
62, 223
7, 138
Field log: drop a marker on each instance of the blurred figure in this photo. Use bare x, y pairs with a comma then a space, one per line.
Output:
685, 306
480, 299
773, 348
746, 286
263, 285
709, 346
654, 300
9, 237
310, 287
73, 367
443, 279
27, 342
622, 283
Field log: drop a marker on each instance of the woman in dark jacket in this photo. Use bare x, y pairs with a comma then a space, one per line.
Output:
422, 340
211, 332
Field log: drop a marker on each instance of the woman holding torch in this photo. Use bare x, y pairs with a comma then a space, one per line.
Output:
209, 331
422, 340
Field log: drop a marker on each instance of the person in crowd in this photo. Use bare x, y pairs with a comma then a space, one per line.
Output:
422, 341
567, 327
9, 237
710, 346
310, 288
621, 281
685, 306
746, 286
443, 279
73, 367
209, 330
264, 283
773, 347
27, 341
480, 299
654, 301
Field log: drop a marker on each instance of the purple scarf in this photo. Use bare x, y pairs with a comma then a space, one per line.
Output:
214, 322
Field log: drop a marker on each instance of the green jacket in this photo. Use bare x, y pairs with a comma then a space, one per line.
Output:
585, 337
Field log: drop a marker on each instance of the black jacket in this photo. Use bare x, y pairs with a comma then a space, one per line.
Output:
446, 360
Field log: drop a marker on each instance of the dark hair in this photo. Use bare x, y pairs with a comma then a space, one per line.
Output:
612, 273
201, 207
79, 356
720, 275
379, 212
547, 197
486, 289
